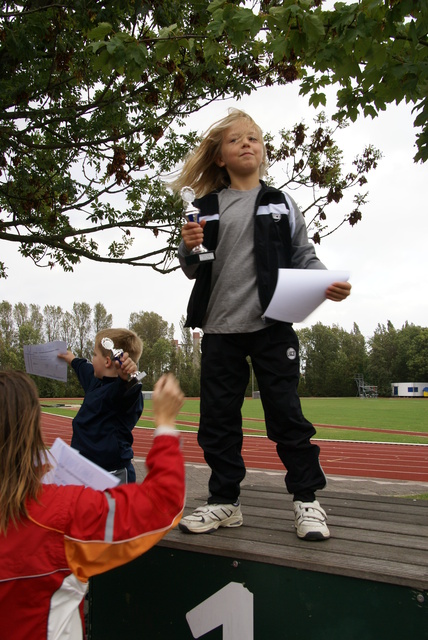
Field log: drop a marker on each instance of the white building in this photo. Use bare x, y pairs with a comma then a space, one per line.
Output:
409, 389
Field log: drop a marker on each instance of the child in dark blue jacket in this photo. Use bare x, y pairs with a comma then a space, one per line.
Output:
113, 403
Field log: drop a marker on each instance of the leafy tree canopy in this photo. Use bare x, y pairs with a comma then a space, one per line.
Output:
93, 95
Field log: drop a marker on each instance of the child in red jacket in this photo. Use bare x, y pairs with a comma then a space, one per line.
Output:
54, 538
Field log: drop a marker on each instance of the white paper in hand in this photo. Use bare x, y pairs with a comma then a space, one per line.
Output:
69, 467
300, 291
42, 360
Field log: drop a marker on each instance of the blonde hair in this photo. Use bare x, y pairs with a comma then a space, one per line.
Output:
124, 339
23, 456
201, 171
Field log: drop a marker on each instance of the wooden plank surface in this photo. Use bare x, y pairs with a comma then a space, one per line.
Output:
373, 537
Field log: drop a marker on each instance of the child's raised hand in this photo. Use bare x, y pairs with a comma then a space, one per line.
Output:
338, 291
193, 234
167, 400
68, 356
125, 366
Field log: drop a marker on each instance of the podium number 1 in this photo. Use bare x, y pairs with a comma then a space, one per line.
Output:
231, 608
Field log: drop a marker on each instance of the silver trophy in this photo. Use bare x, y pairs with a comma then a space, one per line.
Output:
200, 253
108, 344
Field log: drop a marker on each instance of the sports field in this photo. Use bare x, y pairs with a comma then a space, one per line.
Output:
366, 420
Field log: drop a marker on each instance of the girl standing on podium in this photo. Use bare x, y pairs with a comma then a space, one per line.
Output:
255, 230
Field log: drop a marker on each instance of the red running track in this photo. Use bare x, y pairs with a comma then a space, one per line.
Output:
361, 459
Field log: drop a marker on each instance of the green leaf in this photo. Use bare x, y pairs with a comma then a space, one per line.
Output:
216, 4
313, 27
217, 23
167, 31
100, 31
96, 46
165, 48
113, 45
246, 20
369, 110
317, 99
211, 49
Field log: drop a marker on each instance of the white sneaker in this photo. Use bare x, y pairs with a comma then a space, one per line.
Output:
310, 521
210, 517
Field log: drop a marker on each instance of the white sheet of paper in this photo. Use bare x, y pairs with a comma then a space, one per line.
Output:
69, 467
42, 360
300, 291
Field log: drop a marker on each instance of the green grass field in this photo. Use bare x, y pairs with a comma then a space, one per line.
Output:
379, 420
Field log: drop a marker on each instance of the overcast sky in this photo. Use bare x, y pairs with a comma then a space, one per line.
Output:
386, 252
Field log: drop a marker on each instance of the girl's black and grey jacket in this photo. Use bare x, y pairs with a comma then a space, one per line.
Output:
280, 242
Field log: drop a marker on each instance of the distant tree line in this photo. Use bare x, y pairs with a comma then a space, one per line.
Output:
331, 357
23, 324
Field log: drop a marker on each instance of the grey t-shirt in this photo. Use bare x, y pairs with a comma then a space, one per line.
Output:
234, 305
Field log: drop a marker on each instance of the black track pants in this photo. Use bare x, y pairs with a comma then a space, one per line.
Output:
224, 378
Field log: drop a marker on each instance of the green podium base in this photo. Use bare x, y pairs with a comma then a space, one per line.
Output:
150, 598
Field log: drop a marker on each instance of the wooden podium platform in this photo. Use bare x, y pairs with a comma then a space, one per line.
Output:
374, 538
260, 582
